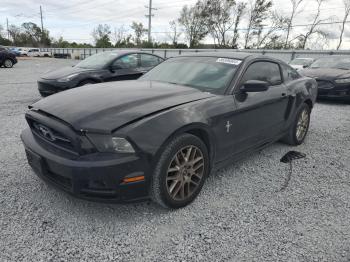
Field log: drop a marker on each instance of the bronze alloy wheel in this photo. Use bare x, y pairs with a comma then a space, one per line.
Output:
185, 173
303, 124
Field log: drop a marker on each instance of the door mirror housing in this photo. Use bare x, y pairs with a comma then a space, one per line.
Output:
254, 86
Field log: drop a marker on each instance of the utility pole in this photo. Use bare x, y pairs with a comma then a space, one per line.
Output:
42, 25
7, 28
150, 20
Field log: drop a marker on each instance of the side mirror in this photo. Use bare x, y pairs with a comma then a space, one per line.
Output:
254, 86
305, 66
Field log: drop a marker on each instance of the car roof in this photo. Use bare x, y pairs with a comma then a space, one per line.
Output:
234, 55
124, 52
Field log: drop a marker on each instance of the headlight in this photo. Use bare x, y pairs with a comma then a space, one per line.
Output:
105, 143
343, 81
67, 78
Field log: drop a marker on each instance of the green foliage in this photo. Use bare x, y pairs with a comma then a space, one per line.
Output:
101, 35
194, 22
139, 32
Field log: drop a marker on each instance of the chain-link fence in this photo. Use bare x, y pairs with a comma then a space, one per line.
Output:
285, 55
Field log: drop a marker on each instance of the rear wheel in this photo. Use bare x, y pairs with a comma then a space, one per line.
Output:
180, 173
8, 63
300, 127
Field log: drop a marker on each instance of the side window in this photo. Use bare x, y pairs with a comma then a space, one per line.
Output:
289, 73
126, 62
263, 71
149, 60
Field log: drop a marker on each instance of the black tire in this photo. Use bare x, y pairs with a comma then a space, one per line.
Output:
292, 138
86, 82
159, 189
8, 63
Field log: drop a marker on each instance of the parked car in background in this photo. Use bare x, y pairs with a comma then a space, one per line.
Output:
15, 51
300, 63
102, 67
160, 136
7, 58
35, 52
332, 74
23, 51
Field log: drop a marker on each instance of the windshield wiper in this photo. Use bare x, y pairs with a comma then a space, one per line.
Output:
343, 68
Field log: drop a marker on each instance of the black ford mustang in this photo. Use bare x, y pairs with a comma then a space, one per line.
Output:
332, 74
159, 137
102, 67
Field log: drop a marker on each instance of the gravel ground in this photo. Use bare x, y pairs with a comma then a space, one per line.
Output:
240, 214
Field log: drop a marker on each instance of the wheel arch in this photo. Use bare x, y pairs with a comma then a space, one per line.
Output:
200, 130
308, 101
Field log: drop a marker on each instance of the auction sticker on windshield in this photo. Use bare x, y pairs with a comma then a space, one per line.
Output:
228, 61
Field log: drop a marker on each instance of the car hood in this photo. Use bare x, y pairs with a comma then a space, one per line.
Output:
326, 73
65, 71
105, 107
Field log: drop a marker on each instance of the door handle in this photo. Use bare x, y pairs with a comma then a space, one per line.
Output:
284, 94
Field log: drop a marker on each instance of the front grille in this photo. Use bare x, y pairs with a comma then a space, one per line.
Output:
323, 84
51, 135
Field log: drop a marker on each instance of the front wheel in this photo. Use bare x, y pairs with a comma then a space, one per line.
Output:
300, 127
8, 63
180, 172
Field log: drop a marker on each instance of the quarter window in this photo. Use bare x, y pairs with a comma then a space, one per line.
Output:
263, 71
289, 73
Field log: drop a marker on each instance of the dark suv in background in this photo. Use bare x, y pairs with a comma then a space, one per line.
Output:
7, 58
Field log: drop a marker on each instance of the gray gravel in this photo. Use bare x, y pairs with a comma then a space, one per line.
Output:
239, 215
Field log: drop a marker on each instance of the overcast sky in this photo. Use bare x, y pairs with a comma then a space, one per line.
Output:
75, 19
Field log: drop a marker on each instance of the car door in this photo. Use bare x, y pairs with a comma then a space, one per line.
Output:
124, 68
149, 61
260, 116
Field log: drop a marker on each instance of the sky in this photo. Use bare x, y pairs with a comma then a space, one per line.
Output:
74, 20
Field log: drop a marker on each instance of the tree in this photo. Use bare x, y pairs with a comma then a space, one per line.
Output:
313, 28
3, 40
118, 35
139, 32
239, 11
257, 13
15, 35
345, 18
175, 34
191, 18
295, 6
220, 17
277, 23
101, 35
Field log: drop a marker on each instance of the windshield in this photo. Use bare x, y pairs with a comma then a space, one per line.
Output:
332, 62
98, 61
301, 61
209, 74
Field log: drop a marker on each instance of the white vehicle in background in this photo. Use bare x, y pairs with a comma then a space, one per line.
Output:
301, 63
23, 51
35, 52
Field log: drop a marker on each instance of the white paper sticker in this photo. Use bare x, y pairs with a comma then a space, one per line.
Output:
228, 61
